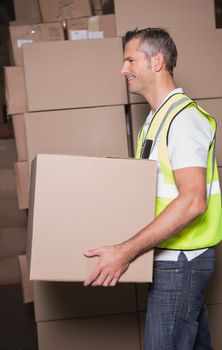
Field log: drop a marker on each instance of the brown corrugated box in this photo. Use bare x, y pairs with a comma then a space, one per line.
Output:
7, 153
77, 28
20, 136
27, 34
174, 14
22, 184
7, 183
12, 241
27, 10
72, 74
104, 332
27, 285
15, 91
10, 215
195, 50
9, 271
87, 131
106, 24
85, 197
55, 301
60, 10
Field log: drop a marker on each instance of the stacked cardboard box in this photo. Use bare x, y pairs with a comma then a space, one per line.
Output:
27, 11
168, 14
94, 27
54, 10
12, 220
27, 34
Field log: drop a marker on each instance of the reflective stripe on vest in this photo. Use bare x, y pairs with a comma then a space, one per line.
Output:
206, 230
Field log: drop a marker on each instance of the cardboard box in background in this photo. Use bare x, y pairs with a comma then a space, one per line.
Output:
12, 241
104, 24
20, 137
138, 113
27, 285
97, 7
15, 92
22, 184
9, 271
194, 58
77, 28
54, 10
173, 15
104, 332
64, 300
214, 107
7, 153
7, 183
27, 10
89, 202
107, 6
10, 215
28, 34
87, 131
87, 74
95, 27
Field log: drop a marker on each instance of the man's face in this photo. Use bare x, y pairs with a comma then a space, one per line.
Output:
137, 68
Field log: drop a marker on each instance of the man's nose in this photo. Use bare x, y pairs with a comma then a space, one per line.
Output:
124, 69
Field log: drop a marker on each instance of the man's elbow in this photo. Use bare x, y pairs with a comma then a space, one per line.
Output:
198, 207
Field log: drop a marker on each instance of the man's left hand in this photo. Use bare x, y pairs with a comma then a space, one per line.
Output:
113, 262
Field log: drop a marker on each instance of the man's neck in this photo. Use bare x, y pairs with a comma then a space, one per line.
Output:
158, 94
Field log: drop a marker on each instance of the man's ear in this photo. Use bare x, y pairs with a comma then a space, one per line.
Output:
157, 62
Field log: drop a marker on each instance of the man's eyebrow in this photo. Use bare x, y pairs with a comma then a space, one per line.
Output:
128, 58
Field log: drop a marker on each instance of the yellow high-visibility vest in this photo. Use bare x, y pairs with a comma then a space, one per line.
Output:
206, 229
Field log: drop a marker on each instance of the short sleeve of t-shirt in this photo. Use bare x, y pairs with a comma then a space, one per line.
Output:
190, 136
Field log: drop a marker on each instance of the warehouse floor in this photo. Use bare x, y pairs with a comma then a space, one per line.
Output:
17, 324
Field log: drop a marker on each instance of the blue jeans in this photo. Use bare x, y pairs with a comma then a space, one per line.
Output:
176, 316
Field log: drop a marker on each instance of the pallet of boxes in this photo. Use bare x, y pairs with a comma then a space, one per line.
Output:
74, 175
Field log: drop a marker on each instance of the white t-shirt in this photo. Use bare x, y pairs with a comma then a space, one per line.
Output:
190, 136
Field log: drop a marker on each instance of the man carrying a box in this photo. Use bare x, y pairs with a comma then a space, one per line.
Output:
181, 136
